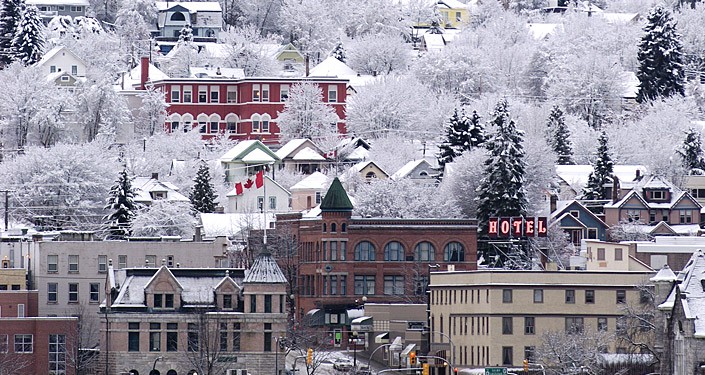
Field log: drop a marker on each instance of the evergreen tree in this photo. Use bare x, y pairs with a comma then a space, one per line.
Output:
692, 152
559, 137
501, 191
10, 16
203, 193
28, 42
449, 149
660, 57
602, 170
339, 52
476, 131
122, 204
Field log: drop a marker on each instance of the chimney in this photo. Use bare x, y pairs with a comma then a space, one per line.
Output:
553, 202
198, 237
306, 63
615, 189
144, 69
155, 175
638, 175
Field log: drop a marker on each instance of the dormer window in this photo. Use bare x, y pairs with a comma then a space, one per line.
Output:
227, 301
158, 195
658, 195
163, 301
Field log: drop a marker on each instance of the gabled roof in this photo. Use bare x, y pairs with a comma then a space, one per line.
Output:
316, 180
410, 167
361, 165
664, 274
566, 207
227, 279
572, 219
54, 51
193, 7
288, 149
332, 67
243, 149
160, 271
143, 186
631, 194
264, 270
336, 198
691, 294
308, 154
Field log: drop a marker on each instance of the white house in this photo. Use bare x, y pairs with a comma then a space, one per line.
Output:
150, 189
418, 170
301, 155
252, 200
247, 158
62, 66
205, 19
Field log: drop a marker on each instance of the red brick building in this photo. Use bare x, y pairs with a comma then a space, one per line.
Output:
344, 261
32, 345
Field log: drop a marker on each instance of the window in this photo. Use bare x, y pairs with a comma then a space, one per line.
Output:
633, 215
133, 337
73, 263
158, 301
507, 325
236, 337
155, 337
52, 263
364, 251
529, 325
150, 260
589, 296
192, 337
454, 252
3, 343
232, 94
364, 284
177, 16
256, 123
272, 203
253, 303
268, 303
574, 324
57, 354
570, 296
175, 94
602, 324
215, 94
24, 343
332, 94
318, 197
95, 292
64, 78
188, 94
424, 251
538, 295
231, 123
122, 261
265, 123
52, 292
265, 93
600, 254
658, 195
530, 353
172, 337
621, 296
507, 355
618, 254
283, 93
223, 337
20, 310
227, 301
394, 251
506, 295
73, 293
74, 69
256, 93
394, 285
102, 263
214, 125
202, 94
52, 69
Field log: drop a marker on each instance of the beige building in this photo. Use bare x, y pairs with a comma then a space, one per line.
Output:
498, 317
612, 256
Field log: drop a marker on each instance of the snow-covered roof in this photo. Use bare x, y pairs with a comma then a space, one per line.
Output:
264, 270
692, 292
332, 67
540, 31
58, 2
145, 186
408, 168
577, 175
200, 6
620, 18
360, 153
307, 154
664, 274
288, 149
453, 4
316, 180
53, 52
258, 156
131, 80
244, 148
434, 41
233, 225
216, 72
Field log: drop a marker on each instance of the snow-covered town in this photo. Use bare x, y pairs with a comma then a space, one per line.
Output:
352, 187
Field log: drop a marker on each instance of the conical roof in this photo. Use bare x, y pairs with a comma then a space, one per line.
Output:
336, 198
264, 270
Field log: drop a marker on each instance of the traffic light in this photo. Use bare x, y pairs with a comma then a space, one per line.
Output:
526, 366
309, 356
455, 371
412, 358
425, 369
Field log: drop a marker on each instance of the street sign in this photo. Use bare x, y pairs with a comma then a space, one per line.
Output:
495, 371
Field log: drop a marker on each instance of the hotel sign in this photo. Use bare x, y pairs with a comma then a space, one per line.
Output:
516, 227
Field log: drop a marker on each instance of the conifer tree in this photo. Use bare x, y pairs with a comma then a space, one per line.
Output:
28, 42
559, 137
121, 203
691, 152
339, 52
10, 15
476, 131
203, 193
660, 57
449, 149
501, 191
602, 170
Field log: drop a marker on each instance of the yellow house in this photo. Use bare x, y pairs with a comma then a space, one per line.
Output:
454, 14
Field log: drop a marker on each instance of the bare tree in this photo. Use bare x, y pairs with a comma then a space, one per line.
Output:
205, 349
628, 231
304, 336
82, 344
637, 327
556, 246
12, 363
576, 350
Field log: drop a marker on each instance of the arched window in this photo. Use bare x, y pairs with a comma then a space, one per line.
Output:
454, 252
231, 121
343, 227
202, 123
177, 16
265, 123
174, 121
424, 251
187, 120
370, 175
333, 227
214, 124
324, 227
134, 372
256, 119
171, 372
364, 251
394, 251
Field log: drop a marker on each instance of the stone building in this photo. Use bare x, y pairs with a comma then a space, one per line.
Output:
184, 320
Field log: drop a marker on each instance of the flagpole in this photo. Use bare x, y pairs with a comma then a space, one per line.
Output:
264, 204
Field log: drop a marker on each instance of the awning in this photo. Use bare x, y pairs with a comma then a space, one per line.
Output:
354, 313
315, 317
396, 345
382, 338
408, 350
363, 324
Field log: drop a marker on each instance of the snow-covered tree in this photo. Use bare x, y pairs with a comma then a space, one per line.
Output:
100, 111
10, 16
559, 137
461, 180
579, 347
450, 148
501, 191
133, 23
203, 197
186, 34
602, 171
28, 42
339, 52
660, 58
247, 50
305, 115
152, 113
400, 199
378, 54
164, 218
311, 24
691, 152
121, 205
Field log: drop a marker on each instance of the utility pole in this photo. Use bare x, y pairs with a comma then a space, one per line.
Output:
7, 207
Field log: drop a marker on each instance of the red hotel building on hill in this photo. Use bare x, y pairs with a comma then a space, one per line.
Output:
242, 108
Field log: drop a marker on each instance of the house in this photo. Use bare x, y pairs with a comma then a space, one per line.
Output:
308, 193
600, 255
344, 260
205, 19
236, 227
454, 14
675, 251
31, 344
508, 312
301, 155
655, 200
164, 318
352, 150
149, 189
419, 170
247, 158
331, 67
573, 178
578, 221
62, 66
368, 170
49, 9
253, 200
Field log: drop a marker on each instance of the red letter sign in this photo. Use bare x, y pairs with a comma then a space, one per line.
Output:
542, 227
493, 227
505, 227
530, 226
516, 226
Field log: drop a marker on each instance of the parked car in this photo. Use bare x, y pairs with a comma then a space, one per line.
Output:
342, 364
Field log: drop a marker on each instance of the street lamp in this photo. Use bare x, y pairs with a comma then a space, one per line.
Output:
452, 346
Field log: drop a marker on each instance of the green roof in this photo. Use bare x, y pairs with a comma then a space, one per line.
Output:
336, 198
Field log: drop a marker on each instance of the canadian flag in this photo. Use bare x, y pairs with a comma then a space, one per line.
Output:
257, 183
259, 179
238, 188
